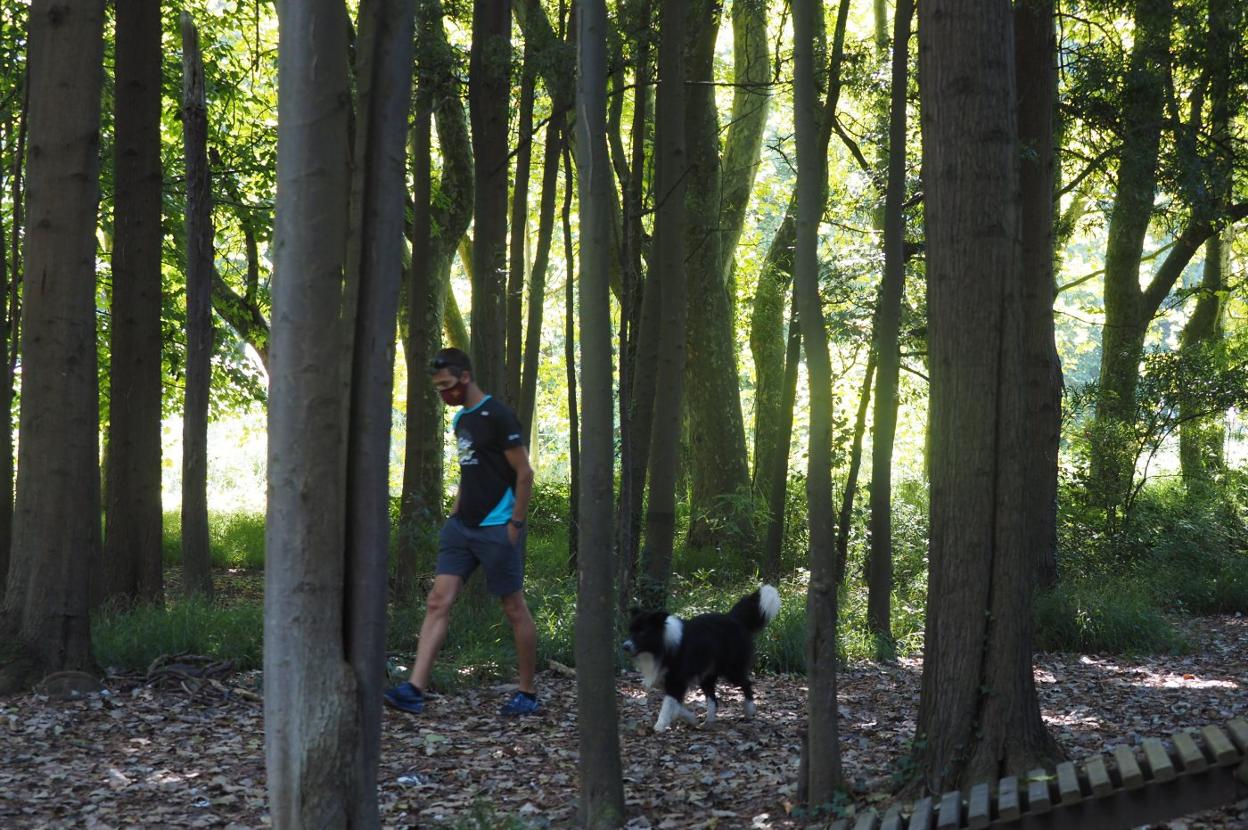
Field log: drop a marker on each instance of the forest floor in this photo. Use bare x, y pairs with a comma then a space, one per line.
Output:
155, 756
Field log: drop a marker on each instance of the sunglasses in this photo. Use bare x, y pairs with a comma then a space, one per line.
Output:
439, 363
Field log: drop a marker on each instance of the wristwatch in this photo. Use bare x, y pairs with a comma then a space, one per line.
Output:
519, 523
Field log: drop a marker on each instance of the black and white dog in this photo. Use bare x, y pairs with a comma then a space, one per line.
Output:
680, 653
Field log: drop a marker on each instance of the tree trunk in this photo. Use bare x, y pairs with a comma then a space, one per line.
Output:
519, 232
1200, 440
1035, 49
1126, 318
846, 519
778, 481
537, 278
887, 347
6, 388
196, 558
823, 754
978, 712
601, 783
489, 103
718, 468
438, 227
133, 515
44, 621
374, 272
668, 278
16, 193
569, 359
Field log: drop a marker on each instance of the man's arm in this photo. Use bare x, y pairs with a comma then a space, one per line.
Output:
518, 458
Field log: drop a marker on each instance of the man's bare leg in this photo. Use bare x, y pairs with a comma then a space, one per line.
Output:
521, 620
433, 629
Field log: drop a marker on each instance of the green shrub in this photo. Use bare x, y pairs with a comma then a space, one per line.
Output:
1103, 617
131, 639
236, 540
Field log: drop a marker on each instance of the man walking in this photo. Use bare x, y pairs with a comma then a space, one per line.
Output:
486, 528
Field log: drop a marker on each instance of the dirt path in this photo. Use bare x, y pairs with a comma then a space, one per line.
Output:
143, 757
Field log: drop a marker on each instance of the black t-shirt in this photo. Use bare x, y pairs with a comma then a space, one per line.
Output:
487, 481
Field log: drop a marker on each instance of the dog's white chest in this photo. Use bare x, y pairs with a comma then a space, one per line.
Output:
651, 669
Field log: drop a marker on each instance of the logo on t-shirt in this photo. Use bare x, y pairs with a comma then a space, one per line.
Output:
466, 455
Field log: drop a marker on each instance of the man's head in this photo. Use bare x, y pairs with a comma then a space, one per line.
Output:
451, 371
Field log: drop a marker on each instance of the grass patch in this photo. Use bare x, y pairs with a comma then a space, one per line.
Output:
133, 638
236, 540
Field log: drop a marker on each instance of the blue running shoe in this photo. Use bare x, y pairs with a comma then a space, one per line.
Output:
521, 704
406, 698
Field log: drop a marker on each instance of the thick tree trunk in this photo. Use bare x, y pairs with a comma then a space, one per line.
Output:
489, 104
1126, 317
311, 699
437, 230
719, 471
196, 557
602, 788
1035, 49
519, 232
374, 272
887, 347
45, 621
132, 537
978, 634
823, 753
668, 278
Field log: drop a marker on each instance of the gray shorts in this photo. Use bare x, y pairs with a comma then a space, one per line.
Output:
461, 549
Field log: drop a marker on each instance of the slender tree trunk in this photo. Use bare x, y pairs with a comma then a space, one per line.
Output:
602, 788
446, 219
132, 539
537, 278
823, 754
44, 621
374, 272
196, 558
6, 388
640, 317
846, 518
778, 483
519, 232
978, 633
670, 178
1035, 49
1200, 440
489, 103
16, 192
718, 466
887, 348
569, 359
1126, 318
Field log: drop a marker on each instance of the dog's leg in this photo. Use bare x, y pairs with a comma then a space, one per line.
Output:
687, 715
712, 703
750, 708
671, 707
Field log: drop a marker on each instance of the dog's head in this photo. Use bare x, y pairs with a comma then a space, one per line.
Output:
653, 632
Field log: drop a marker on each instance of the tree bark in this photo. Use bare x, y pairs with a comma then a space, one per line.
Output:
887, 347
719, 469
6, 387
519, 233
44, 620
374, 272
1035, 49
823, 754
1126, 317
569, 359
196, 557
489, 103
132, 538
438, 227
778, 483
978, 712
670, 180
601, 783
537, 278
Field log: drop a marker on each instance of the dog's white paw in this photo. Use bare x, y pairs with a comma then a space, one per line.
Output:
750, 709
711, 709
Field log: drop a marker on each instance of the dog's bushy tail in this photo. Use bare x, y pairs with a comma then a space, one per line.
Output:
757, 609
